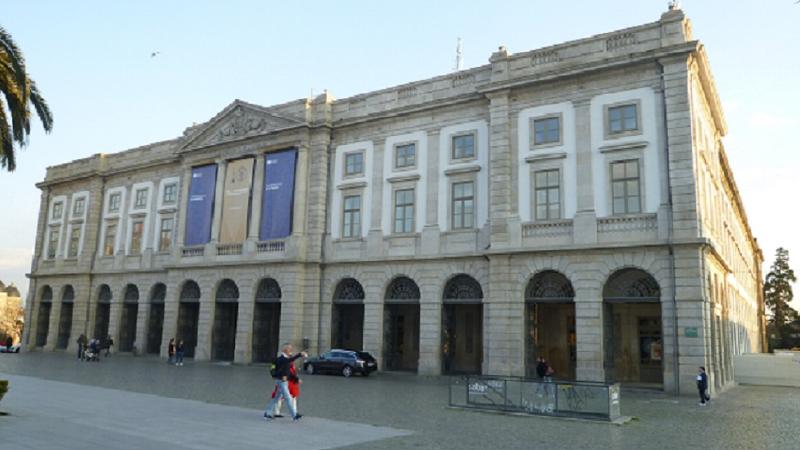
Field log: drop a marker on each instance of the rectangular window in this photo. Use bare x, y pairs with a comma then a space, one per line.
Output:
170, 194
404, 211
79, 207
52, 243
405, 155
547, 196
622, 119
464, 146
547, 131
352, 216
74, 240
625, 191
463, 211
353, 163
111, 239
137, 230
113, 202
165, 236
141, 199
58, 209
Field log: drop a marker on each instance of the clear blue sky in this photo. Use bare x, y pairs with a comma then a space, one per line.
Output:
92, 62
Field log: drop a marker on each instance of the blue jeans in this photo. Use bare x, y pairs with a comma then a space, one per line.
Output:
179, 358
283, 391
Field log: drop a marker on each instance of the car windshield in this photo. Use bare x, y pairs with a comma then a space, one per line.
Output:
364, 355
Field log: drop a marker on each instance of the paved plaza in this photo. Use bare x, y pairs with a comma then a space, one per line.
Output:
126, 402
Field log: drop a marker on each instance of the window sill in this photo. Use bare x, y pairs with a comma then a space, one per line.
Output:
545, 157
462, 170
351, 185
623, 147
402, 178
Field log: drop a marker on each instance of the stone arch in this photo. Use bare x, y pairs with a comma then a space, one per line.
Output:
268, 290
188, 316
158, 293
266, 319
550, 331
68, 294
227, 291
129, 317
226, 312
190, 291
104, 294
131, 294
65, 317
462, 287
347, 315
631, 283
462, 325
155, 318
102, 313
43, 317
402, 288
349, 290
46, 294
549, 285
401, 322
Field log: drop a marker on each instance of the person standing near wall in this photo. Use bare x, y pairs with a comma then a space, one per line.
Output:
702, 386
179, 350
81, 346
171, 351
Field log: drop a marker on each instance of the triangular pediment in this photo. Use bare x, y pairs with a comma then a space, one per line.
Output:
239, 120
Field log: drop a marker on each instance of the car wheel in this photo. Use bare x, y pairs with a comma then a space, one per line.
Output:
347, 371
310, 369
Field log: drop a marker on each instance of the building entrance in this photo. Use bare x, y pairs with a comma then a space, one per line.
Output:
550, 324
462, 326
226, 311
43, 319
155, 319
65, 321
102, 312
130, 310
266, 321
632, 324
188, 315
347, 316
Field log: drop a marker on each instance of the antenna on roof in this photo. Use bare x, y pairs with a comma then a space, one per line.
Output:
459, 58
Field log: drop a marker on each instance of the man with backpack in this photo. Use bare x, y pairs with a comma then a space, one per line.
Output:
281, 374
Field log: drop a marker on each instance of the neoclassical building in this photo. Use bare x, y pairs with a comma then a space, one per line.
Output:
573, 202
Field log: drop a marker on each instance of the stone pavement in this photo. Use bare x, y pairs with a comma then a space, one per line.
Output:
53, 414
745, 417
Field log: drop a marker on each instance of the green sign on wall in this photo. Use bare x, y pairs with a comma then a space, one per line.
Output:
690, 331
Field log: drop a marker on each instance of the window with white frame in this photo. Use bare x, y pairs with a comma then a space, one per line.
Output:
58, 210
625, 187
114, 201
623, 118
137, 231
464, 146
353, 164
463, 205
405, 155
404, 211
74, 241
547, 130
547, 194
351, 217
140, 201
110, 239
170, 196
52, 242
79, 207
165, 234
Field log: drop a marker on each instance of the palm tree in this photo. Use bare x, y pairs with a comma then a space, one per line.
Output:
18, 90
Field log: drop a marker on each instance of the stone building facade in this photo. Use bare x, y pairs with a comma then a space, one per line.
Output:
572, 202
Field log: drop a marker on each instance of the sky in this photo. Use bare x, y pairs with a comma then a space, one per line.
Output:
92, 62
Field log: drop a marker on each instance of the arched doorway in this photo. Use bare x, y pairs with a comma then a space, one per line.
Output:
188, 315
550, 324
130, 309
226, 310
43, 319
347, 317
462, 326
633, 344
155, 320
65, 321
401, 325
266, 320
102, 312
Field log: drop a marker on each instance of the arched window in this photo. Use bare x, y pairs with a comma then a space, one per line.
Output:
631, 284
158, 293
268, 291
105, 294
227, 291
47, 294
349, 290
190, 292
549, 285
463, 287
131, 293
403, 289
69, 294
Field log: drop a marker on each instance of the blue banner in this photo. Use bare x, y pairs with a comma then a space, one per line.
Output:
200, 208
277, 203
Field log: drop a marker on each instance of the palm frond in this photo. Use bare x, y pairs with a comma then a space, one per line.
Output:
15, 57
7, 159
42, 109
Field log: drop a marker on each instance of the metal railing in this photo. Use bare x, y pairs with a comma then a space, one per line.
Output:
575, 399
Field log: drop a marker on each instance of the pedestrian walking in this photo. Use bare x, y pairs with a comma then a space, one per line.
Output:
179, 350
82, 346
281, 375
702, 386
171, 351
294, 391
109, 344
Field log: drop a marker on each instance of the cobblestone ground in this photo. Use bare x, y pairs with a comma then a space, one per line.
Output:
745, 417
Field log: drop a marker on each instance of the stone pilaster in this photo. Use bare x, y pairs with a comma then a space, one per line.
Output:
219, 191
499, 167
115, 314
589, 326
243, 352
183, 204
205, 322
503, 321
430, 326
585, 222
142, 316
258, 192
55, 316
170, 327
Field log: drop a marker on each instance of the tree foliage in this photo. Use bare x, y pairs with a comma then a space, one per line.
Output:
19, 92
11, 321
778, 294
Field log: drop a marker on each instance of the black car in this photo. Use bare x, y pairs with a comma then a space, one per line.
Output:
345, 362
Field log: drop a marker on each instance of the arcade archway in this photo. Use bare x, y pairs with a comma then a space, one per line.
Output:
401, 325
347, 318
462, 326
